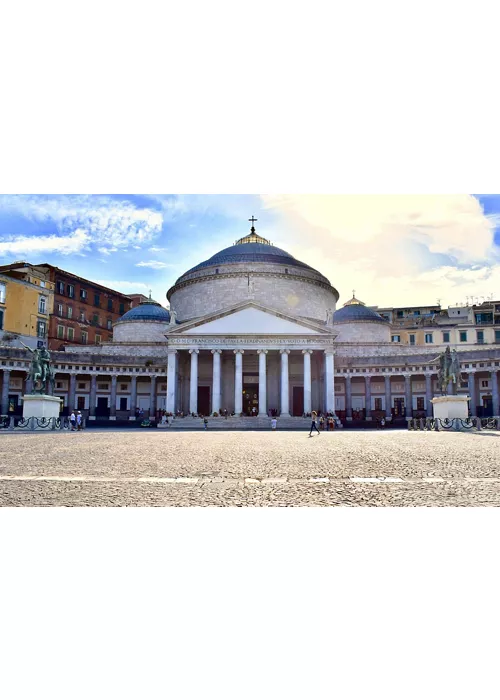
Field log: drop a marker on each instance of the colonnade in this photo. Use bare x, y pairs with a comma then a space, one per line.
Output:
172, 371
473, 389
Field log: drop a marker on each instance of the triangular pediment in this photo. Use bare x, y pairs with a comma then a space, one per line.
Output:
250, 319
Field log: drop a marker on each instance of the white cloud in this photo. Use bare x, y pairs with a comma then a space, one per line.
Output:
106, 221
107, 251
124, 286
33, 245
409, 249
153, 264
155, 249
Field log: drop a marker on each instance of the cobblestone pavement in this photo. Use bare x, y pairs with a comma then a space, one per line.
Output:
351, 468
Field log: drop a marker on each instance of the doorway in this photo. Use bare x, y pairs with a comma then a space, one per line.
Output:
102, 406
487, 406
203, 400
298, 401
399, 408
14, 405
250, 399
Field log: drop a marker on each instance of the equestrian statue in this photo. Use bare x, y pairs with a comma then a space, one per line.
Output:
449, 371
41, 372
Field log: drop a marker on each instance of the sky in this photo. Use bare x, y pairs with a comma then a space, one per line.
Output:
393, 250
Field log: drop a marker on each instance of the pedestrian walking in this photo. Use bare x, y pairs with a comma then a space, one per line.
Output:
72, 420
314, 417
79, 421
321, 423
205, 423
274, 424
331, 423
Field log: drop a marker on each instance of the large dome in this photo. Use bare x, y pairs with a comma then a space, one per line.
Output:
251, 253
253, 269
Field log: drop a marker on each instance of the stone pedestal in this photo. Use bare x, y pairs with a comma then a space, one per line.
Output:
41, 406
449, 407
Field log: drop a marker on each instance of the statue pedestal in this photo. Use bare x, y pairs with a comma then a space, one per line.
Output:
450, 407
41, 406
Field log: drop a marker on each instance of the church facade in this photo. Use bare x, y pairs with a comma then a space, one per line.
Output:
254, 331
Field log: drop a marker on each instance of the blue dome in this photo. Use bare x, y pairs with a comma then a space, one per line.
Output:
353, 312
147, 311
251, 253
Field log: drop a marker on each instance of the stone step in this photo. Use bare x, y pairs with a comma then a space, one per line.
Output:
238, 423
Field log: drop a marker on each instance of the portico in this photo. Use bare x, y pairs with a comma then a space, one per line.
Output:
284, 381
249, 369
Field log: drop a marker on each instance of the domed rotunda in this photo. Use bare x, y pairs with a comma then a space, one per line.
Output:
253, 269
356, 322
147, 322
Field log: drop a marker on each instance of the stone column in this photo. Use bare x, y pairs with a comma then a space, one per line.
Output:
193, 382
348, 397
152, 397
5, 392
216, 381
72, 393
368, 397
262, 383
238, 382
428, 395
307, 381
285, 400
388, 397
112, 398
494, 391
329, 382
93, 396
171, 381
472, 393
408, 397
133, 396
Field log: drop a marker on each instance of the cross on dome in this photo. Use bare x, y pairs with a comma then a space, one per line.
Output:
354, 301
253, 237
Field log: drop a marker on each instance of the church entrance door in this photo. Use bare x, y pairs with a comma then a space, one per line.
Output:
298, 400
203, 400
250, 399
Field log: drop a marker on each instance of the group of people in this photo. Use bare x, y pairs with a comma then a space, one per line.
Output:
331, 422
76, 420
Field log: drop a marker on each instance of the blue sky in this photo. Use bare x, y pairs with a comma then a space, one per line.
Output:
392, 249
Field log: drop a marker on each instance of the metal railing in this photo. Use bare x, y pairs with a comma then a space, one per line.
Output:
437, 424
33, 423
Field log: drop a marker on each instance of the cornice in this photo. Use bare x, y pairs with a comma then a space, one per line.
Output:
242, 273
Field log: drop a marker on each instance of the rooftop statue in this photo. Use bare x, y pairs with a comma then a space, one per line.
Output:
41, 372
173, 317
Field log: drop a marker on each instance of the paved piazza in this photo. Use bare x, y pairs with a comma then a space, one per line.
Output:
133, 468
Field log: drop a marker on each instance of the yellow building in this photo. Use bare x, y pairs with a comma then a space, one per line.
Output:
26, 301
